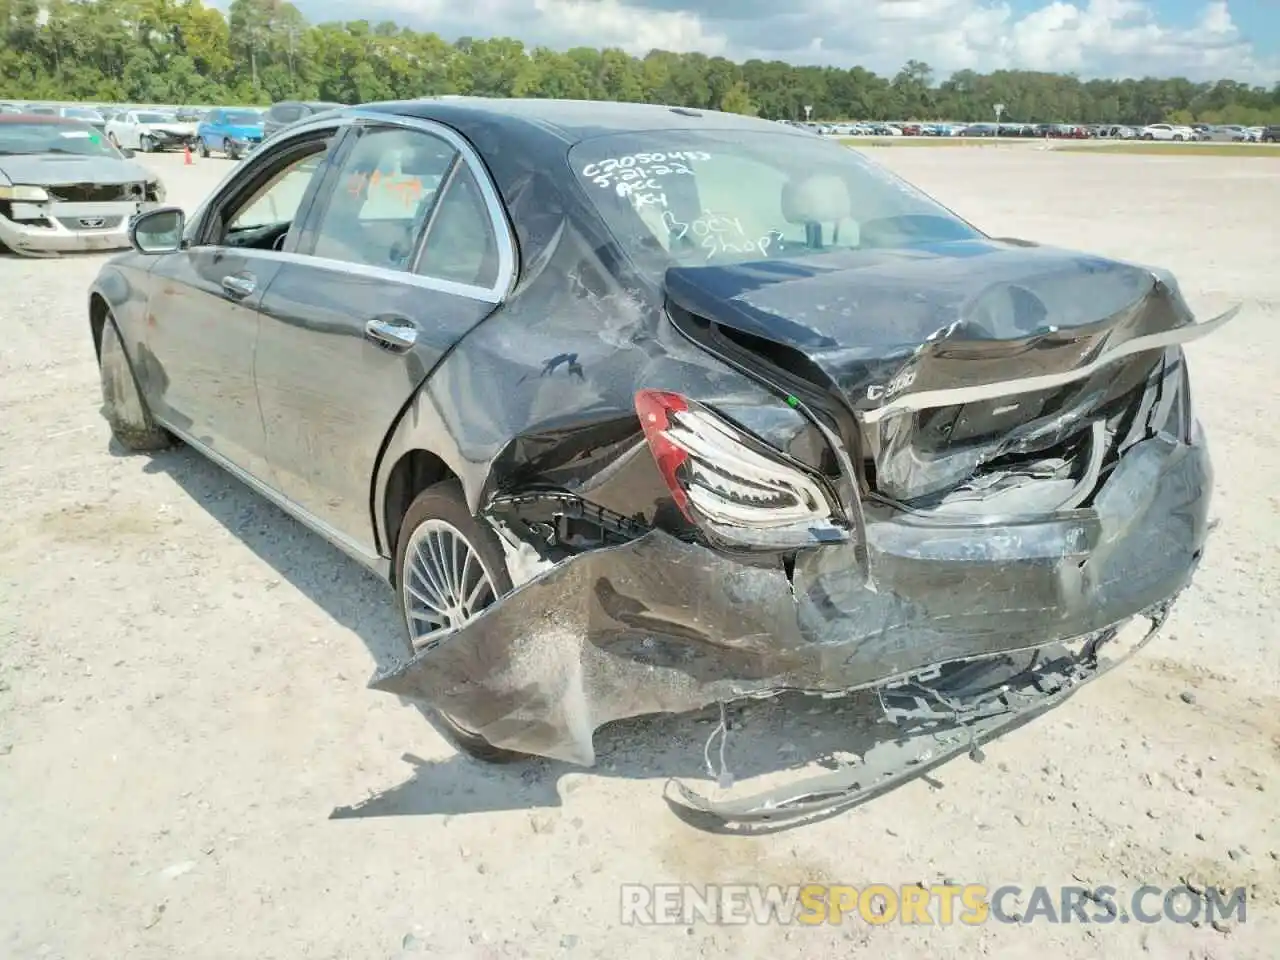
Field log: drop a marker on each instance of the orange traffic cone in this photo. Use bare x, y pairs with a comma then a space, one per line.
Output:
186, 155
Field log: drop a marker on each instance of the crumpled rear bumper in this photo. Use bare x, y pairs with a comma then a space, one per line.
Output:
658, 625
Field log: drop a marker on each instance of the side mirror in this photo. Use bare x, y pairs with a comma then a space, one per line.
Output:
158, 231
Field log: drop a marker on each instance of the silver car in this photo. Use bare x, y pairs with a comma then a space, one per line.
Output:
63, 187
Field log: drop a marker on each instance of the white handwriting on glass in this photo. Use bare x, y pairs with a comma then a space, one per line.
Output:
643, 193
716, 234
641, 167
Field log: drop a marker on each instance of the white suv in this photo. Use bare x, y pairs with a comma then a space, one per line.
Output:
1167, 131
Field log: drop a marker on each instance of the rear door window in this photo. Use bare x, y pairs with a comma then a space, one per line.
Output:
384, 195
460, 245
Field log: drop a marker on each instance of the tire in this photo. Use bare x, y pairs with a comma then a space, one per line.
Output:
230, 151
1148, 136
204, 148
1177, 137
123, 405
146, 145
444, 503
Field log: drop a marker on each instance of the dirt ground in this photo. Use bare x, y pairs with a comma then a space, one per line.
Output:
191, 766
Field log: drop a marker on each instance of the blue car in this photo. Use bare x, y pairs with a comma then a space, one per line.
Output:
232, 133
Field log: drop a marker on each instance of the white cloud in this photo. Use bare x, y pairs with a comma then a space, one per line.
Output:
1105, 38
611, 23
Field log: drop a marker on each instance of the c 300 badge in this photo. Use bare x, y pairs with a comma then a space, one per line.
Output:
894, 387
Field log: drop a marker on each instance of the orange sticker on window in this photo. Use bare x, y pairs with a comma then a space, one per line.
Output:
409, 189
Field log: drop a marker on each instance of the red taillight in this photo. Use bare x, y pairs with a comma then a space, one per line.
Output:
718, 477
654, 408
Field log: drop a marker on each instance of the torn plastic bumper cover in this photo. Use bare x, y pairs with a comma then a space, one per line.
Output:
657, 625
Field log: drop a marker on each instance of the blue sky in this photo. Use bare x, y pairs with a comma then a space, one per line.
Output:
1200, 39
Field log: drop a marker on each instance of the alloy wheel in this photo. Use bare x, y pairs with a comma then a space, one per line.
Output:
443, 582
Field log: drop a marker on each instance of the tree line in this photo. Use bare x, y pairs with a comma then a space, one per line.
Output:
181, 51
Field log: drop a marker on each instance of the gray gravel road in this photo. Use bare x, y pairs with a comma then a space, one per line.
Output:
183, 709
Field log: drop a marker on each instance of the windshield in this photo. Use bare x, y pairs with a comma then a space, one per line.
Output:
689, 197
34, 137
247, 119
156, 118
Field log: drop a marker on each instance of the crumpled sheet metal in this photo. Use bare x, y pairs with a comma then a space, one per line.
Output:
588, 642
933, 323
888, 325
1049, 675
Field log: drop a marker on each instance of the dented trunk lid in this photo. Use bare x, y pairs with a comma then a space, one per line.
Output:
956, 355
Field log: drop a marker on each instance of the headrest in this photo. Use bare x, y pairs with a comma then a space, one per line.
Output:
818, 199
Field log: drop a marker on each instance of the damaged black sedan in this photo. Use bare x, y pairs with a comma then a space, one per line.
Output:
645, 409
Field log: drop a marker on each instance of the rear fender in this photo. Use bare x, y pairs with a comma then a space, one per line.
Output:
547, 427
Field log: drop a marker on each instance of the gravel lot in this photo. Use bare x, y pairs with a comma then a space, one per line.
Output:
184, 726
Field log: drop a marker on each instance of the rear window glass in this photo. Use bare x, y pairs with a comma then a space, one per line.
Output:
687, 197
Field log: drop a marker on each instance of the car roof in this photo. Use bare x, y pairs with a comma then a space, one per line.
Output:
51, 119
525, 144
569, 121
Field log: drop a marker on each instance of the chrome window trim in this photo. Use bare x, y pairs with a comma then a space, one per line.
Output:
482, 294
504, 237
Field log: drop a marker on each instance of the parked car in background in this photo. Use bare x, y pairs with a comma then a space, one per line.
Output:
233, 133
288, 112
1117, 132
1253, 134
64, 187
40, 110
85, 114
1270, 134
1167, 131
617, 455
10, 108
149, 131
1226, 133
